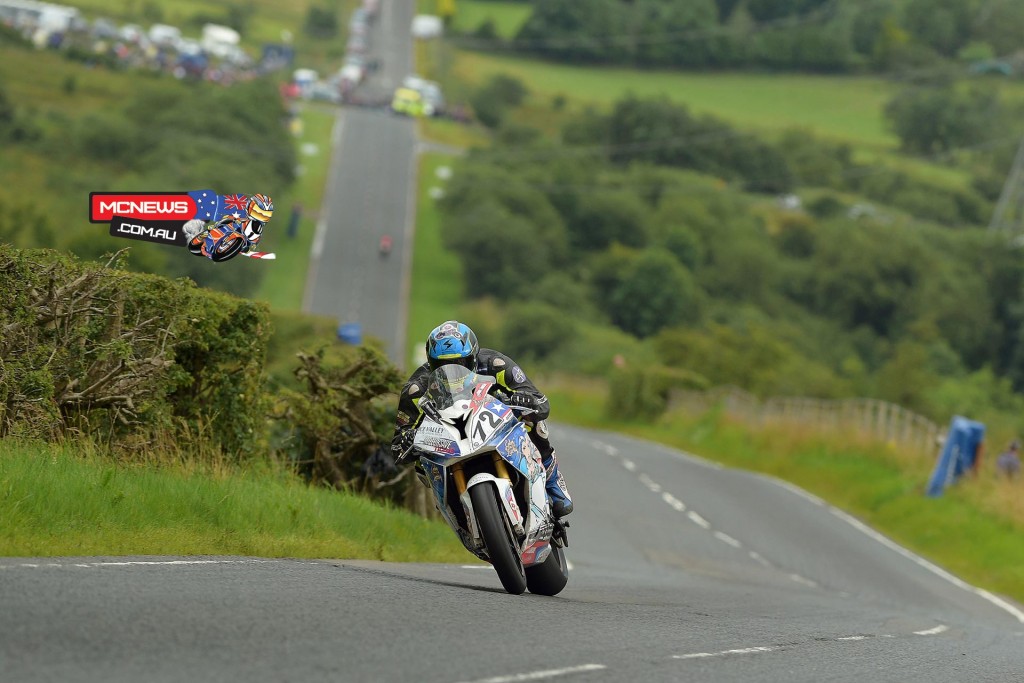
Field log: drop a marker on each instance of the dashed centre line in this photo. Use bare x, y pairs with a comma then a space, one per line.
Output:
738, 651
540, 675
698, 520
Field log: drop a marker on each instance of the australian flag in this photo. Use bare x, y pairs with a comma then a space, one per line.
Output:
211, 206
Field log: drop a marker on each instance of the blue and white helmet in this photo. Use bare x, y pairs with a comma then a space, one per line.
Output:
452, 342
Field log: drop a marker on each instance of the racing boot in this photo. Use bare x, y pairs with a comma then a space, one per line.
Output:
561, 503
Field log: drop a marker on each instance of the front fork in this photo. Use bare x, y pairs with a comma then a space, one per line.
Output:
502, 480
460, 476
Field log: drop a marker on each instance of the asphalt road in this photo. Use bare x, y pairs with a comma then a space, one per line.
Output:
681, 571
370, 193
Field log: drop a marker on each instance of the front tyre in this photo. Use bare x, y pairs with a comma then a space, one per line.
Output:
498, 538
550, 576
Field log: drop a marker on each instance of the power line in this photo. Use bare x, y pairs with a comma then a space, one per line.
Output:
1009, 211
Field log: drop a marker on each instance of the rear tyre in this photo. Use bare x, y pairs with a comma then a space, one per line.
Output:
498, 538
550, 576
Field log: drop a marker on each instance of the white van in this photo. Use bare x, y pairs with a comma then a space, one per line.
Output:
163, 35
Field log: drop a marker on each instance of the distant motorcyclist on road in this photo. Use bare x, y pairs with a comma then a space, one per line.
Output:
454, 342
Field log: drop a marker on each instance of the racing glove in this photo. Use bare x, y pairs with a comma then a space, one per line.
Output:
401, 445
521, 399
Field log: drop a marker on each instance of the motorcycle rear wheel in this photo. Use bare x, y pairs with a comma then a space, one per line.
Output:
550, 576
498, 538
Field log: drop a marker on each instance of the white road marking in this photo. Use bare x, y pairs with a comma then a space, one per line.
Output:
321, 225
757, 558
698, 520
938, 571
726, 538
129, 563
538, 675
800, 579
629, 464
740, 651
476, 566
932, 631
853, 638
650, 483
792, 488
673, 501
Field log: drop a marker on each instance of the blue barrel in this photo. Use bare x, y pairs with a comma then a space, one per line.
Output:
351, 333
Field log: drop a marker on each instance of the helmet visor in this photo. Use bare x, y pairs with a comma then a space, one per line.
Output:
468, 362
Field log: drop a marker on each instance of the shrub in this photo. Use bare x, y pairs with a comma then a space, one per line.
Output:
127, 358
534, 331
645, 392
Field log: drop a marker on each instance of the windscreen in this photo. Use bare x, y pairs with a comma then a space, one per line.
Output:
451, 383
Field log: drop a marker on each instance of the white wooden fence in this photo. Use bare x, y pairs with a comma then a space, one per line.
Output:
868, 416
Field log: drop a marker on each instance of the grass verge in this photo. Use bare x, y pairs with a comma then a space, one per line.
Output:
284, 284
507, 17
54, 501
435, 294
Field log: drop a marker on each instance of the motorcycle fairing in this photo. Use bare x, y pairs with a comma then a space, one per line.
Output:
465, 422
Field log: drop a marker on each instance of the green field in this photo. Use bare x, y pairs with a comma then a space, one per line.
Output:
508, 17
849, 108
55, 501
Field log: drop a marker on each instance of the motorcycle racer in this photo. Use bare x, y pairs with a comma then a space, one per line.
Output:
455, 342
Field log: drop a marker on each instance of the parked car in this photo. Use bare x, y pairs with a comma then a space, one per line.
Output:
408, 102
358, 44
163, 35
104, 29
132, 33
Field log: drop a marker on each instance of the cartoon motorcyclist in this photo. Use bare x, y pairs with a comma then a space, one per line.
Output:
231, 235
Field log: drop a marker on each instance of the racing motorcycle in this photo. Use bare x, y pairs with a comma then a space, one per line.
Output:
488, 481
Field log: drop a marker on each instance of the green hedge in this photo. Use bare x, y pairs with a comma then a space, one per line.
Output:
636, 392
131, 359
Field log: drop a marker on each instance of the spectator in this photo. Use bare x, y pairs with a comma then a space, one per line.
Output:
293, 221
1008, 462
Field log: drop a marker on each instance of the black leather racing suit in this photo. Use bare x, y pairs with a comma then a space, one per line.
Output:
510, 377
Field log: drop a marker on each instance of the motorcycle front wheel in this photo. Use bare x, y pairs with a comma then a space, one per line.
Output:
550, 576
498, 538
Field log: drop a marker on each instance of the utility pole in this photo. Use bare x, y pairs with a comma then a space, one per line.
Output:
1009, 212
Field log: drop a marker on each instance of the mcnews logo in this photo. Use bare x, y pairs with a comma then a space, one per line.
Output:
150, 216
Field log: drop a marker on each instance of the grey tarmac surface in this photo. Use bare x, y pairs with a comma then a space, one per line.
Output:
370, 193
681, 571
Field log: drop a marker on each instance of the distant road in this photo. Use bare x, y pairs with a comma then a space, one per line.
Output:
370, 193
681, 571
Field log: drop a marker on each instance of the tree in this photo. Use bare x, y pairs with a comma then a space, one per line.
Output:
321, 22
656, 292
577, 30
534, 330
1001, 25
609, 217
502, 254
943, 25
938, 119
674, 33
